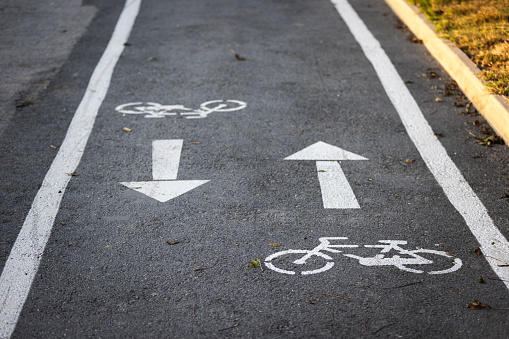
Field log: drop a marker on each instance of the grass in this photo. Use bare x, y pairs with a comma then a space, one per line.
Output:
480, 28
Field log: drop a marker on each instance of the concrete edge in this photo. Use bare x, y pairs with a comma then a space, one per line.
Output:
493, 108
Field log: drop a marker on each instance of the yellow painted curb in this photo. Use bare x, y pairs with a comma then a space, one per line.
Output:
493, 108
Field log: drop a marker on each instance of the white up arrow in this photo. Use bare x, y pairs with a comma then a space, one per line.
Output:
165, 164
336, 191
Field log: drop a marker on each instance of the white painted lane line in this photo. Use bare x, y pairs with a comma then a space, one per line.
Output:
336, 191
460, 194
166, 159
25, 256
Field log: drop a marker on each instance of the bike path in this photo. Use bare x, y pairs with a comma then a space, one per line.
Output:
112, 270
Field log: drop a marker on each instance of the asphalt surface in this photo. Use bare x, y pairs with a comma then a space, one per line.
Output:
121, 264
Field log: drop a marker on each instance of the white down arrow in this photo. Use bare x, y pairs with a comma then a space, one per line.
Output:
165, 164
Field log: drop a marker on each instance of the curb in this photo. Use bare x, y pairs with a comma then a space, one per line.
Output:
493, 108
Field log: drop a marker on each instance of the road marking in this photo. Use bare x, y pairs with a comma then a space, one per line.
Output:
493, 243
156, 110
401, 260
336, 191
166, 159
25, 256
165, 165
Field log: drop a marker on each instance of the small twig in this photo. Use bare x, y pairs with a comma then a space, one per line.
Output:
70, 296
228, 328
337, 296
381, 328
414, 283
505, 262
194, 314
365, 323
451, 289
298, 131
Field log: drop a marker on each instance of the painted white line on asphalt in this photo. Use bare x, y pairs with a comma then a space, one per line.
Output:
493, 243
26, 254
336, 191
166, 159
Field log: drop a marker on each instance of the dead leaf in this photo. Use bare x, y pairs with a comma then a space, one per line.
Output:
127, 129
256, 263
200, 269
63, 223
173, 243
54, 147
480, 280
409, 161
152, 58
274, 244
309, 302
73, 174
477, 251
505, 196
238, 57
127, 44
321, 171
477, 305
437, 99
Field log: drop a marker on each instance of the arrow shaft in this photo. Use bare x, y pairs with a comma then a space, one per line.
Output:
166, 159
336, 191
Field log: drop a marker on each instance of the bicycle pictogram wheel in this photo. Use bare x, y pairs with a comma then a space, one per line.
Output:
223, 105
326, 266
456, 265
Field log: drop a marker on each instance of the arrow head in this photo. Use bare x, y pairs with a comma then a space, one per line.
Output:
164, 190
322, 151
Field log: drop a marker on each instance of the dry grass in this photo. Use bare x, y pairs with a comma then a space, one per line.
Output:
481, 29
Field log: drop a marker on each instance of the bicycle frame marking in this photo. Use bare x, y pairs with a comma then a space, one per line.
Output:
156, 110
413, 258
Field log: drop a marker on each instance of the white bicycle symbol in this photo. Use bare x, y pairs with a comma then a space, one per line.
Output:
155, 110
412, 257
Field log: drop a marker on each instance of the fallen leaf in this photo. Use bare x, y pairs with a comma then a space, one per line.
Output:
152, 58
321, 171
477, 305
438, 99
480, 280
127, 129
127, 44
505, 196
409, 161
238, 57
433, 74
256, 263
73, 174
200, 269
309, 302
477, 251
439, 135
54, 147
196, 143
274, 244
173, 243
63, 223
